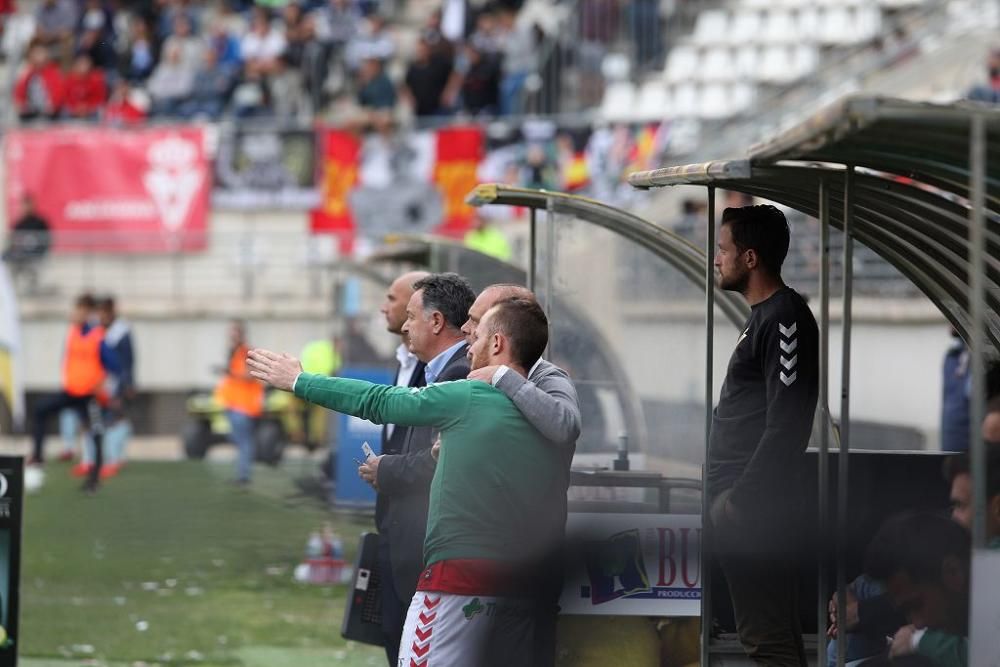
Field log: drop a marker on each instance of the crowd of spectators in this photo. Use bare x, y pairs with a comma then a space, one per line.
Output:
180, 59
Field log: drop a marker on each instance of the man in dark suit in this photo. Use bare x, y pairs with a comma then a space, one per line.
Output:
402, 474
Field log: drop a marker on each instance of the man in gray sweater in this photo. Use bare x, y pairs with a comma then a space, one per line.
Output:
547, 399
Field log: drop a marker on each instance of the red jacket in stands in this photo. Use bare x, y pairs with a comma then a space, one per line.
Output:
85, 93
52, 80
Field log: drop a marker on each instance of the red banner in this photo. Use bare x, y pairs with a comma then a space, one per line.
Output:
112, 190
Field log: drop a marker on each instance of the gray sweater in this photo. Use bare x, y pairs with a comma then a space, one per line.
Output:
548, 400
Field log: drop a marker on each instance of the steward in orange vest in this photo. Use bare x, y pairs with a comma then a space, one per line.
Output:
86, 361
242, 397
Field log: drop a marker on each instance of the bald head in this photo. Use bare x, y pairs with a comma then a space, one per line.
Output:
488, 298
396, 298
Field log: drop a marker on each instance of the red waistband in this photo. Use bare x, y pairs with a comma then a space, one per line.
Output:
476, 576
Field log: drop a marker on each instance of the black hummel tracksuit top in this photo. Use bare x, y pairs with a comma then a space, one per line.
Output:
761, 426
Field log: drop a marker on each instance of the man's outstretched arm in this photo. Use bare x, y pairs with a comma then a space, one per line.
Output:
437, 405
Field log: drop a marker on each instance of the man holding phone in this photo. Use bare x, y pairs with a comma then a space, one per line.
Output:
428, 311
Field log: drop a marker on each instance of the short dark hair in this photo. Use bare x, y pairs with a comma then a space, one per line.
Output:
106, 303
916, 544
448, 293
760, 228
86, 300
958, 464
525, 325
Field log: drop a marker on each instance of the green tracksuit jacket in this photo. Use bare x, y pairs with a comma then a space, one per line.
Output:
495, 488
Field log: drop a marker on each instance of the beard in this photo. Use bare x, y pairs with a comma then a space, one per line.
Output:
477, 361
734, 282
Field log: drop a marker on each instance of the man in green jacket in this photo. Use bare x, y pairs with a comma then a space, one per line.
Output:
486, 530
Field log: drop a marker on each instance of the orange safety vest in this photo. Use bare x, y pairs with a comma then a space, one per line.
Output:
83, 373
236, 393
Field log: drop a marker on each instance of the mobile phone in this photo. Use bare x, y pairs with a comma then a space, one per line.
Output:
367, 449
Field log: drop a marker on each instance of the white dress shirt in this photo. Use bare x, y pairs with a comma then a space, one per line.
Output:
407, 364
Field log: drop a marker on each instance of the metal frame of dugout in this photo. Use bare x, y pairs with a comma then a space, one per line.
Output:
919, 184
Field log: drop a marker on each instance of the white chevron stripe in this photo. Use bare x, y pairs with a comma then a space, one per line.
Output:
788, 379
789, 364
788, 332
788, 348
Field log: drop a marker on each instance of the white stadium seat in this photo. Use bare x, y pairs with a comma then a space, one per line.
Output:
654, 101
712, 27
747, 61
836, 26
683, 63
808, 24
741, 97
685, 100
779, 28
776, 65
805, 60
745, 27
714, 101
718, 65
619, 101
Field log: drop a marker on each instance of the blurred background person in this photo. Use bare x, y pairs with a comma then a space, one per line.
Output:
242, 398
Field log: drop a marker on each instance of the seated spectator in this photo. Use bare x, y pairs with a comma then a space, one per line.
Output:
372, 41
520, 60
475, 84
375, 90
336, 25
262, 46
226, 46
38, 93
185, 42
926, 571
86, 90
125, 106
97, 35
169, 11
211, 89
486, 37
55, 23
140, 55
309, 56
426, 79
990, 92
171, 83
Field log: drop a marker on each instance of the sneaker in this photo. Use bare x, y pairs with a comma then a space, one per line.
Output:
66, 456
81, 469
110, 470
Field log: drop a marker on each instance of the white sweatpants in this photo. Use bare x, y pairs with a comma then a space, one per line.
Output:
445, 630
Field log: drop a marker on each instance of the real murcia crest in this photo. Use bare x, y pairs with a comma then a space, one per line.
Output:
172, 179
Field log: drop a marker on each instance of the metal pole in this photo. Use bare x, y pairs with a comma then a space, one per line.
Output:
532, 248
845, 418
977, 302
550, 257
824, 434
706, 560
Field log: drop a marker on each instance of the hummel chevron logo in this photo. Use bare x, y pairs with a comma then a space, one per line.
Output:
788, 332
421, 651
430, 604
427, 619
414, 663
422, 634
788, 348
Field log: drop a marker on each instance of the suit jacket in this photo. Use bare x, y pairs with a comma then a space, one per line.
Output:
405, 480
394, 445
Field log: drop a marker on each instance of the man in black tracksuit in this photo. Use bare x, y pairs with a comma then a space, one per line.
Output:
760, 431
